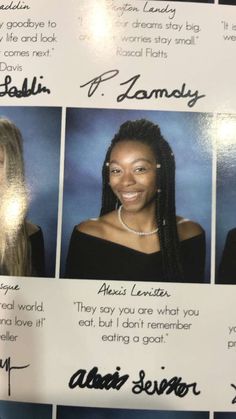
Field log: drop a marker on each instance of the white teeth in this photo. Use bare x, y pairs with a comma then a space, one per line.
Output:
130, 195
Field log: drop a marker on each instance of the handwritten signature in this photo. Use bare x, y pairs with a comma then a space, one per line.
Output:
94, 380
174, 385
234, 399
97, 381
28, 88
131, 91
5, 364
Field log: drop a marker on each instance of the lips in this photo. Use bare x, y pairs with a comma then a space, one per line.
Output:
129, 196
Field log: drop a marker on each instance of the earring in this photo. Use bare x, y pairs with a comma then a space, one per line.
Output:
158, 166
107, 164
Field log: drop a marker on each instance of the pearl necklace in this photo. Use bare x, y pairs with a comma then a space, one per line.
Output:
131, 230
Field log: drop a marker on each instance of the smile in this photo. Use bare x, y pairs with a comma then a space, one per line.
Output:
129, 196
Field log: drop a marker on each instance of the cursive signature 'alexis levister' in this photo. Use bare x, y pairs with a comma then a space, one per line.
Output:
5, 364
131, 91
114, 381
135, 291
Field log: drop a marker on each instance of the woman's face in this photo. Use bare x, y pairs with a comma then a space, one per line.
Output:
133, 173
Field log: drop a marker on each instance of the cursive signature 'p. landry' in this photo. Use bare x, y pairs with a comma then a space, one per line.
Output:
132, 92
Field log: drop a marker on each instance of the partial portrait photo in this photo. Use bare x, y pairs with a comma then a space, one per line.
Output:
72, 412
20, 410
29, 182
228, 2
194, 1
226, 200
137, 196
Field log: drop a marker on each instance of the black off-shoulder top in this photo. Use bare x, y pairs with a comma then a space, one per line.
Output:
91, 257
227, 268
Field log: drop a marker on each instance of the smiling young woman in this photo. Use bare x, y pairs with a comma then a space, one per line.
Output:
138, 236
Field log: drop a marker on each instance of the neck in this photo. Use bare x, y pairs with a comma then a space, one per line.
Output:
143, 220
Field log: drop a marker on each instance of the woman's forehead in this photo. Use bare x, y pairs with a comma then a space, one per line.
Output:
126, 148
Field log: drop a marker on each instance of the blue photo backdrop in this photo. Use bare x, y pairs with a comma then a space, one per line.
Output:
41, 131
88, 135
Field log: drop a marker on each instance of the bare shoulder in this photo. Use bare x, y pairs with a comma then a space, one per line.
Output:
31, 228
98, 227
188, 228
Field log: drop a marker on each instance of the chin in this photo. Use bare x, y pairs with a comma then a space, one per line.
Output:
137, 206
133, 206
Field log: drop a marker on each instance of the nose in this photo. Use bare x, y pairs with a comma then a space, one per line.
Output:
128, 179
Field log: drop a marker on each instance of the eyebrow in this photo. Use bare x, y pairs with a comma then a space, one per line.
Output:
134, 161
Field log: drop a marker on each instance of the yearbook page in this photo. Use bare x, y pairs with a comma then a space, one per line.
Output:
117, 210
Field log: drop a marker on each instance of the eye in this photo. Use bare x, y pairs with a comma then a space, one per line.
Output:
115, 171
140, 169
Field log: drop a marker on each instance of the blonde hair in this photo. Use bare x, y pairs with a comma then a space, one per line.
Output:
15, 249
